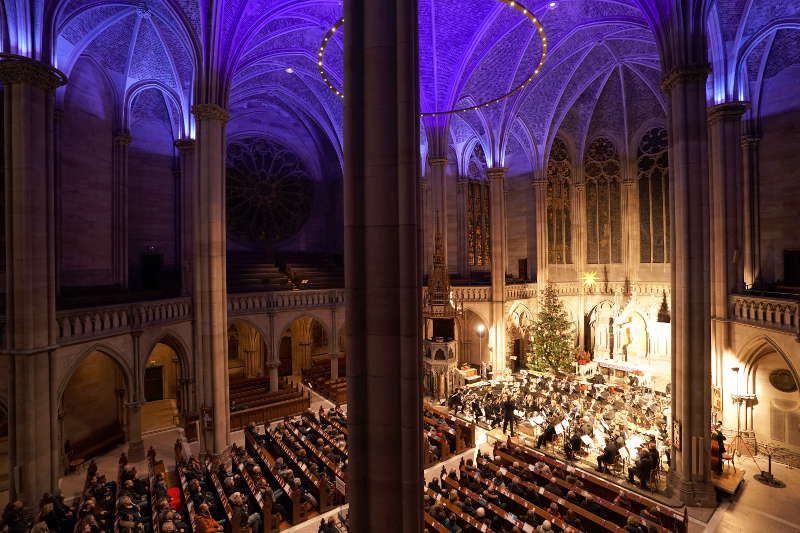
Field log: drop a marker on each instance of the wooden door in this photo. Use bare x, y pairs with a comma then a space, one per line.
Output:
153, 383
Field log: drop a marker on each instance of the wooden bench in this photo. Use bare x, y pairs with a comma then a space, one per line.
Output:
264, 504
268, 413
291, 496
234, 519
184, 484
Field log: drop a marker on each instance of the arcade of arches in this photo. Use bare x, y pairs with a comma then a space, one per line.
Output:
185, 231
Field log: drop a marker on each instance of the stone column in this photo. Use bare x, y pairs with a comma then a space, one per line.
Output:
382, 266
438, 180
579, 237
272, 371
462, 186
119, 206
425, 231
333, 347
30, 275
751, 237
58, 122
724, 133
133, 428
497, 214
685, 89
630, 226
186, 167
209, 295
540, 209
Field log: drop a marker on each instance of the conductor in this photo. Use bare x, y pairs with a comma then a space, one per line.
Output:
509, 406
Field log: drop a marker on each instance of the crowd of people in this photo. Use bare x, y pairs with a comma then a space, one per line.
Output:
590, 416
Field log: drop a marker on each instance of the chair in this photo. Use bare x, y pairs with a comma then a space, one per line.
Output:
727, 457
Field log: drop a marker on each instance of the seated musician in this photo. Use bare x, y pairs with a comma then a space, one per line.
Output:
609, 455
572, 446
548, 434
642, 468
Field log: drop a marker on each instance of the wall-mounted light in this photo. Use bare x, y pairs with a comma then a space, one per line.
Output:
589, 279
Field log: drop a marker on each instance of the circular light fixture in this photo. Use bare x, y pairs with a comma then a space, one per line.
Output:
481, 328
511, 3
289, 70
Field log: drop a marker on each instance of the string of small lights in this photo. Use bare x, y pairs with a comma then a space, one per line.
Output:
511, 3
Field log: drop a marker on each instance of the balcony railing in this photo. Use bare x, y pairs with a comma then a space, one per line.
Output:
774, 313
266, 302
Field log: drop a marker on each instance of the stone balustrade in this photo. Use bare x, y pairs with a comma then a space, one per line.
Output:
768, 312
78, 325
469, 293
522, 291
266, 302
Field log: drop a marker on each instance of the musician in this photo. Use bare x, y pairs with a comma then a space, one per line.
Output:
548, 434
572, 446
642, 468
609, 455
716, 434
509, 406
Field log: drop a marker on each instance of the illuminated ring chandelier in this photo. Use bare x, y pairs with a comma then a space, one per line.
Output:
511, 3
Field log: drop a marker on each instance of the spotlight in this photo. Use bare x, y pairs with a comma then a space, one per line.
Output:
551, 5
289, 70
481, 328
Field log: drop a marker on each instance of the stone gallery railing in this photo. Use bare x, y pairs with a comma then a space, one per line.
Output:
272, 302
522, 291
781, 314
78, 325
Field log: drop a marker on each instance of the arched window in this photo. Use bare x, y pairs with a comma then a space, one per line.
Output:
478, 229
653, 169
603, 213
559, 222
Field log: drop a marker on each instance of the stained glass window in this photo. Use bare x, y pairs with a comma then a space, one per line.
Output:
653, 169
603, 203
559, 222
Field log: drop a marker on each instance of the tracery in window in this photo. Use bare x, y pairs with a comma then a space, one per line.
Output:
478, 229
653, 169
559, 222
603, 204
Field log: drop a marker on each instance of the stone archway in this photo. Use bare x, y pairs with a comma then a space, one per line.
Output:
161, 392
92, 407
306, 344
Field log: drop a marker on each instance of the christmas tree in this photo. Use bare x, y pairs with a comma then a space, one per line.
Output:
552, 340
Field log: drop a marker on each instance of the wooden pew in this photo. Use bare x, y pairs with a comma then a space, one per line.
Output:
91, 470
234, 520
268, 467
509, 519
324, 435
444, 449
153, 469
432, 522
465, 431
267, 413
321, 488
516, 498
620, 514
463, 517
340, 475
184, 483
264, 504
671, 519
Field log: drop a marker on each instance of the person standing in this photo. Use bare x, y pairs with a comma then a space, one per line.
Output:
509, 406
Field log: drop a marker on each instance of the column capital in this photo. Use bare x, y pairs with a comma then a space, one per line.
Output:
696, 73
539, 183
184, 145
122, 137
210, 112
437, 161
423, 183
496, 173
272, 364
727, 110
462, 180
20, 69
750, 140
580, 186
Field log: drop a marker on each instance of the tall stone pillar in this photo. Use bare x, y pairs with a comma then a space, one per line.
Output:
497, 214
119, 206
333, 347
630, 226
724, 133
751, 238
691, 307
462, 185
58, 143
30, 275
272, 372
426, 225
579, 235
382, 266
186, 154
133, 429
438, 180
540, 210
210, 291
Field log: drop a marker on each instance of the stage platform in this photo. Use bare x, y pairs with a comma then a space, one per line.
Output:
730, 480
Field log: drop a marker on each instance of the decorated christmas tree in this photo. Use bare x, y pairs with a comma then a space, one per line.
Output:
551, 334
